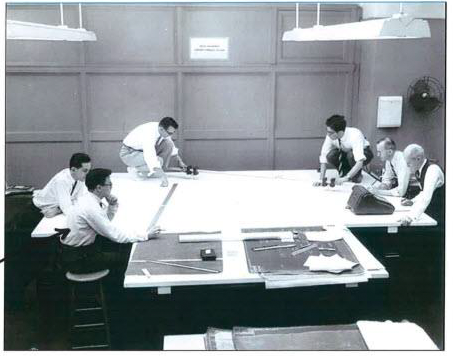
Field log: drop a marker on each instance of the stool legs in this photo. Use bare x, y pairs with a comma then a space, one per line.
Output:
75, 327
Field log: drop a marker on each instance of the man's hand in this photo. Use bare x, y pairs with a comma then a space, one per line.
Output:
340, 181
318, 183
405, 221
153, 232
164, 182
112, 200
181, 164
406, 202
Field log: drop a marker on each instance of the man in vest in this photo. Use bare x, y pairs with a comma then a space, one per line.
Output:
431, 199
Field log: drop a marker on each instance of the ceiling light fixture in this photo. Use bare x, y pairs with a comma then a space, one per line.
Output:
399, 26
20, 30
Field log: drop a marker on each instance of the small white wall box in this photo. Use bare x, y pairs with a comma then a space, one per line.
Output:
389, 111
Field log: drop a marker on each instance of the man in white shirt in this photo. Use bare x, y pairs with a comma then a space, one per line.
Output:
431, 198
395, 179
82, 247
345, 148
64, 188
148, 148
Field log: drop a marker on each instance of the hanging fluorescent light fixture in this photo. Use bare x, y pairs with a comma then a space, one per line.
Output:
399, 26
20, 30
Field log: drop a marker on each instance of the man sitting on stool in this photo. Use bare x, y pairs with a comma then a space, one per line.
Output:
395, 179
431, 199
148, 148
82, 251
346, 148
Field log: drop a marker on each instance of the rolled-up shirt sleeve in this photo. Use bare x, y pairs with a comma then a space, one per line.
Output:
175, 150
388, 174
358, 145
99, 222
434, 178
149, 154
403, 183
326, 147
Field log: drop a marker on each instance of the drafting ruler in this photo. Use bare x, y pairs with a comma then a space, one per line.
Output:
162, 206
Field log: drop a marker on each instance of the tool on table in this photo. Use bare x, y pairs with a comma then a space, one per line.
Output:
162, 207
184, 266
324, 182
332, 182
304, 249
272, 247
192, 170
326, 249
208, 254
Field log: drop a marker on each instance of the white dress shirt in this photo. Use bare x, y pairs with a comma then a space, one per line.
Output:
56, 196
352, 139
144, 137
434, 179
88, 218
399, 171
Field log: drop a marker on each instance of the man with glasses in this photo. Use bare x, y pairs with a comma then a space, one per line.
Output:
90, 221
346, 148
148, 149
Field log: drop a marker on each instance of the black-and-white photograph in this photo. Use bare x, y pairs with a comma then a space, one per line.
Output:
228, 175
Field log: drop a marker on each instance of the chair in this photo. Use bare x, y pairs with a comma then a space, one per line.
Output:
85, 321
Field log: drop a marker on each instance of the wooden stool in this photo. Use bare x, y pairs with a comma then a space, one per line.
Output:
78, 311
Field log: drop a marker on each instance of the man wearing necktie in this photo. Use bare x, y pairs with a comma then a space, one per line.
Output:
346, 148
148, 149
431, 199
395, 178
64, 188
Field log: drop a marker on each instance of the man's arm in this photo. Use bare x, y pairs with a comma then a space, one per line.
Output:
326, 147
103, 226
63, 190
434, 178
354, 170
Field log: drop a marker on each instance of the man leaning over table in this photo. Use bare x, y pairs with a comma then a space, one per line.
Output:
148, 148
431, 199
346, 148
60, 193
395, 179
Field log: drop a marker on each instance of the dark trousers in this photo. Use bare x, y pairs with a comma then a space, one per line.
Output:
102, 254
347, 160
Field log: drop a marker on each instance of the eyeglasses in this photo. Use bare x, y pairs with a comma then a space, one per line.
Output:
169, 133
107, 184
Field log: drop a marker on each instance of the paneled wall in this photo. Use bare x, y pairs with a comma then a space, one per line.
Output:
263, 108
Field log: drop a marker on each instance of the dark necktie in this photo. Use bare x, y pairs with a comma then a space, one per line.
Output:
101, 205
340, 159
393, 168
73, 187
417, 175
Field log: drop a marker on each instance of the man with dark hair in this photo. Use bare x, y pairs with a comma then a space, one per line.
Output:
64, 188
89, 219
431, 178
346, 148
148, 148
395, 179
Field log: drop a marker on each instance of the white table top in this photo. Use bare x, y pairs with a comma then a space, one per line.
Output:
232, 200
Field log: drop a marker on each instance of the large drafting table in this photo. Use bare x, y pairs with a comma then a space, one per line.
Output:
230, 202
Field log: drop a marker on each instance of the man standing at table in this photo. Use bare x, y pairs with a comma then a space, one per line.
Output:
89, 220
430, 176
346, 148
148, 148
395, 179
64, 188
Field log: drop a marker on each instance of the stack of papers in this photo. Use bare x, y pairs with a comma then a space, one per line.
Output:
333, 264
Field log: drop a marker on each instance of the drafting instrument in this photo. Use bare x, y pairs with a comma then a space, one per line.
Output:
163, 205
184, 266
272, 247
303, 249
326, 249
